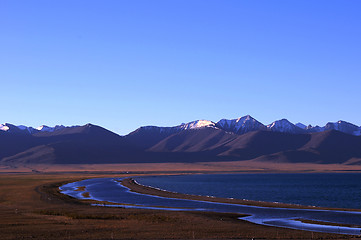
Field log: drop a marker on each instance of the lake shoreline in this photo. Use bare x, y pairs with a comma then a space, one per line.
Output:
267, 214
32, 207
134, 186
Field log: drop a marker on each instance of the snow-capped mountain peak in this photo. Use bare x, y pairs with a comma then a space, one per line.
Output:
4, 127
184, 126
316, 128
21, 129
343, 126
284, 125
244, 118
197, 124
240, 125
44, 128
7, 127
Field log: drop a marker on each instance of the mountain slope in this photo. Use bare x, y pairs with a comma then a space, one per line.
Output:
241, 125
83, 144
228, 140
254, 144
344, 127
334, 146
323, 147
232, 146
148, 136
195, 140
284, 126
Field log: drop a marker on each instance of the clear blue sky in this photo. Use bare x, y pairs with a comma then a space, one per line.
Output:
123, 64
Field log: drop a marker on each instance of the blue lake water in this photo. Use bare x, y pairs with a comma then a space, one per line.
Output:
110, 189
336, 190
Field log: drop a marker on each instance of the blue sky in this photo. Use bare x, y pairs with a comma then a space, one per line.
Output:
123, 64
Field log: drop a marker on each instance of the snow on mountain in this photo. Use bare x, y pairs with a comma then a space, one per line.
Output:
240, 125
29, 130
184, 126
4, 127
343, 126
312, 129
166, 130
44, 128
284, 125
300, 125
196, 124
7, 127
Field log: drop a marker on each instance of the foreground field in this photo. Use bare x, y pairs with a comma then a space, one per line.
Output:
32, 208
249, 166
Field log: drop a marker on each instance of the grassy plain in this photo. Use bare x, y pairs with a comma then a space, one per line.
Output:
32, 208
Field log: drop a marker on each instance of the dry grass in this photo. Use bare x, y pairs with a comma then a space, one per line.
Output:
327, 223
82, 188
32, 208
86, 194
247, 166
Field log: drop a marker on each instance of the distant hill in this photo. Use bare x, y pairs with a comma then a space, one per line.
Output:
227, 140
81, 144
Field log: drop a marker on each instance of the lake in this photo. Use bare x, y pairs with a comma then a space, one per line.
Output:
336, 190
266, 187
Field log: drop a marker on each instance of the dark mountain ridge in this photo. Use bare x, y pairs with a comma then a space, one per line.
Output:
197, 141
83, 144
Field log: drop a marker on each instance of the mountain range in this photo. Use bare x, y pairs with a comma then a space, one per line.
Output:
239, 139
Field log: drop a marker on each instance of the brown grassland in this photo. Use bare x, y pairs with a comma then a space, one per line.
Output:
31, 207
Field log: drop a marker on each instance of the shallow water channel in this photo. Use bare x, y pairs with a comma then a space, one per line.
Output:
110, 190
